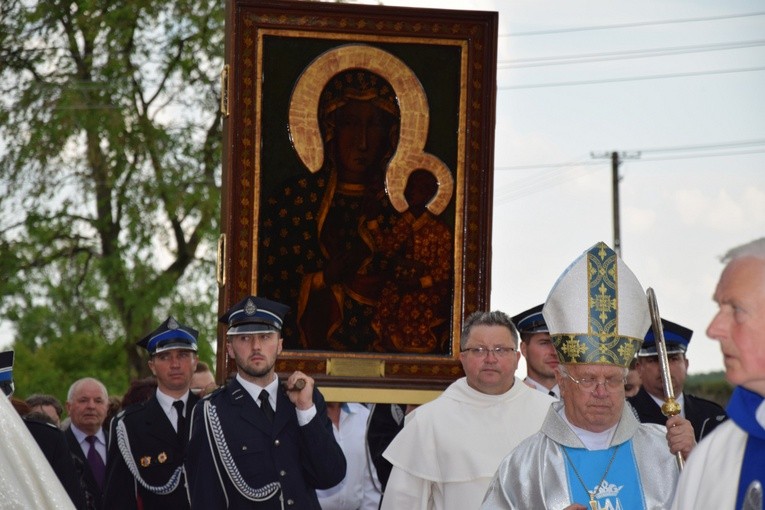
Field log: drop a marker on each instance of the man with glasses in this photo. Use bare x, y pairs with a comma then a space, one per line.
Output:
698, 417
257, 443
591, 452
148, 439
449, 448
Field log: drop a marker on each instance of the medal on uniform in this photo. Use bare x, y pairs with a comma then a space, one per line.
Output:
145, 461
162, 457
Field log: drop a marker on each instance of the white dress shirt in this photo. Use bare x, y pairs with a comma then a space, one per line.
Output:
359, 490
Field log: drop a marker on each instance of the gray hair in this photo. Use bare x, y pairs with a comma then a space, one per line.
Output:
76, 384
495, 318
754, 248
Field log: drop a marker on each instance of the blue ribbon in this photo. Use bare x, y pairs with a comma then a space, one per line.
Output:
742, 409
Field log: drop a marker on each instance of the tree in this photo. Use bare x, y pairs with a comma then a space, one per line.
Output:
110, 140
712, 386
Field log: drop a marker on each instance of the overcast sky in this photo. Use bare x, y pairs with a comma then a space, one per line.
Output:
691, 117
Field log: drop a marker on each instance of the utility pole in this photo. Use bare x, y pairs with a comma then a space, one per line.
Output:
616, 160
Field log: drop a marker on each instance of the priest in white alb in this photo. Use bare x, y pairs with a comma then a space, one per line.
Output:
449, 448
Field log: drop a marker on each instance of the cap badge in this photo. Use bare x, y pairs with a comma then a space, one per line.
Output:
250, 308
172, 324
145, 461
162, 457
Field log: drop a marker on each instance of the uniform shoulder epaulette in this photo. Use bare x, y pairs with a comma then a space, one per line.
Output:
706, 401
28, 419
132, 408
213, 393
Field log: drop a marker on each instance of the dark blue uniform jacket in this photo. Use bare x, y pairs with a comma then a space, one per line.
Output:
301, 459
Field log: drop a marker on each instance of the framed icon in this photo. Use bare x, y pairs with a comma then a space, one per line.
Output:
357, 186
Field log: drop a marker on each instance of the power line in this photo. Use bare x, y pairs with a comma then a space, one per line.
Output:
681, 148
702, 156
621, 55
708, 146
632, 25
528, 186
630, 78
548, 175
543, 165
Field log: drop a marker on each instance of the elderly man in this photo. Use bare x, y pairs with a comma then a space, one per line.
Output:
258, 443
449, 448
727, 470
148, 439
539, 351
698, 416
591, 451
86, 404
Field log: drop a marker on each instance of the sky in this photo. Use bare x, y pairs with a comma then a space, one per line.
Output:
688, 115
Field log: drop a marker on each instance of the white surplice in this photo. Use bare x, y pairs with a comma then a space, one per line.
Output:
449, 449
26, 478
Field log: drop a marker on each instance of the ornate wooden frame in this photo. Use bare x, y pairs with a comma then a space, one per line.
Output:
269, 43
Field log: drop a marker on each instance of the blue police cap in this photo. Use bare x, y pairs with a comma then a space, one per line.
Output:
531, 321
170, 335
676, 338
6, 372
255, 315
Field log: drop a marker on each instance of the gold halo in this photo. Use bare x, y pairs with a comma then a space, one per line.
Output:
413, 104
395, 182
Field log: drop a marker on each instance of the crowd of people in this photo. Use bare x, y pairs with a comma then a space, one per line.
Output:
568, 436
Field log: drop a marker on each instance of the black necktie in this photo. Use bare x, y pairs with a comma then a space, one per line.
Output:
178, 405
265, 405
96, 462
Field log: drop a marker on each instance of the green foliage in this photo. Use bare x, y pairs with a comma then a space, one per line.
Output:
711, 386
109, 170
53, 368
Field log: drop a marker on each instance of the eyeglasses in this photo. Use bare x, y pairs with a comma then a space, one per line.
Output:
590, 383
482, 352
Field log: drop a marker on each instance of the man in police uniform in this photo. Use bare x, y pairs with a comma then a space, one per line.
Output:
538, 350
148, 439
703, 415
255, 443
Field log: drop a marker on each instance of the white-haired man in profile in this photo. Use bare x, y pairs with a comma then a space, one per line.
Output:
727, 469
